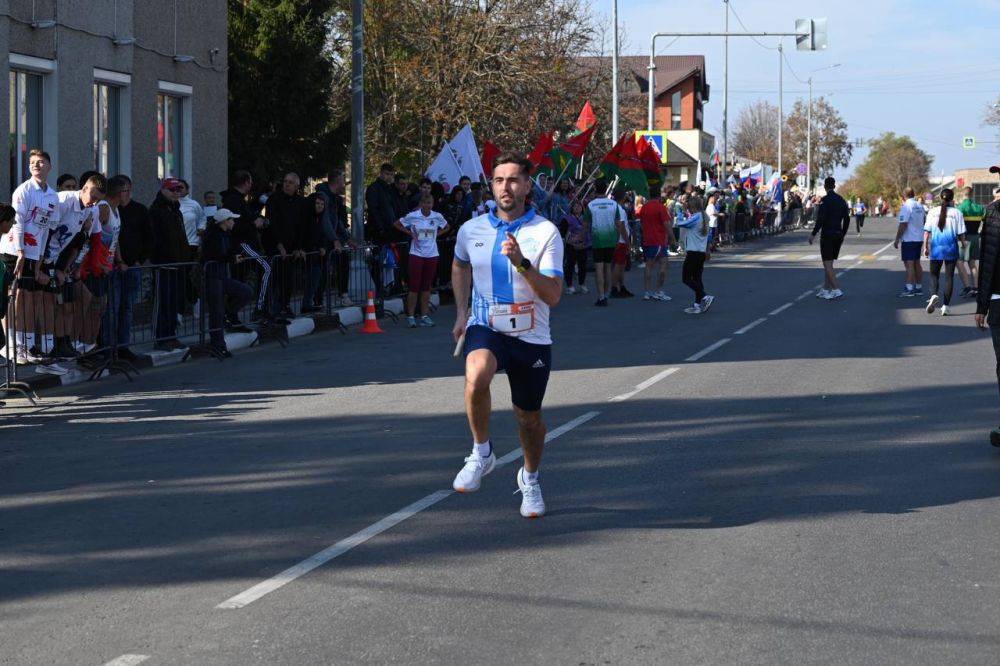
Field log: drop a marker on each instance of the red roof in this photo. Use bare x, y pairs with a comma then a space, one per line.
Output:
671, 70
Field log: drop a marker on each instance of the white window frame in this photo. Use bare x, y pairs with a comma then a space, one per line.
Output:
50, 99
183, 92
123, 82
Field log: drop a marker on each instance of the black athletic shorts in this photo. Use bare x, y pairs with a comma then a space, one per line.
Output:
527, 365
829, 247
604, 255
27, 280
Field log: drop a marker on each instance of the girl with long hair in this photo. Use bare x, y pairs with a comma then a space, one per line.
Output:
944, 231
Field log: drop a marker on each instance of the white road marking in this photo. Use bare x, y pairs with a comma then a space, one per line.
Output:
805, 294
772, 257
883, 249
849, 257
128, 660
644, 385
750, 325
781, 309
887, 257
344, 545
810, 257
707, 350
841, 272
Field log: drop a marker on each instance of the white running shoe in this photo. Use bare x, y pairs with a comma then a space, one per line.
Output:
583, 289
823, 293
932, 303
425, 322
571, 290
647, 296
51, 369
662, 296
532, 504
836, 293
706, 302
471, 476
411, 322
694, 309
944, 311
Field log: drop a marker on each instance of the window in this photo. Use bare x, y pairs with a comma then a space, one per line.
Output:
675, 111
982, 193
169, 136
25, 122
107, 128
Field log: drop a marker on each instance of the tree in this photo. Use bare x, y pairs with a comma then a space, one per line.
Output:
755, 134
992, 115
893, 164
831, 146
508, 67
280, 78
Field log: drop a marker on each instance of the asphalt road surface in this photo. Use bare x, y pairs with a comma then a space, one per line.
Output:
779, 480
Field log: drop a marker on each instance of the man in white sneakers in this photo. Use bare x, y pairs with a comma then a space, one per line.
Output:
512, 261
833, 219
911, 234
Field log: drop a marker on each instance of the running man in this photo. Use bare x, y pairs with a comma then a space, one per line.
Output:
605, 221
911, 234
657, 237
944, 232
833, 219
512, 260
859, 215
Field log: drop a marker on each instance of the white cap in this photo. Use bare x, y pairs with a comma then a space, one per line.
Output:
224, 214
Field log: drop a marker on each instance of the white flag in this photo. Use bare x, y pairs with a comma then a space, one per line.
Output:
445, 169
467, 154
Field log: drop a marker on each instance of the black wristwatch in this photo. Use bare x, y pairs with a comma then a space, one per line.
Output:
524, 266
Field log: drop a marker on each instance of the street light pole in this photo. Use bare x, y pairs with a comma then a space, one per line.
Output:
781, 104
725, 99
357, 121
614, 75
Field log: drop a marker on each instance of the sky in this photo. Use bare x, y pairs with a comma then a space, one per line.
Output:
921, 68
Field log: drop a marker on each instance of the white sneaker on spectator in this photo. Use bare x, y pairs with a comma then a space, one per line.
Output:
570, 290
22, 355
425, 322
411, 322
50, 368
532, 504
706, 302
583, 289
31, 357
470, 477
662, 296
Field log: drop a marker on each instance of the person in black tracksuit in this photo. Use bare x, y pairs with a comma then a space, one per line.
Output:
833, 219
246, 236
225, 294
285, 210
170, 246
988, 296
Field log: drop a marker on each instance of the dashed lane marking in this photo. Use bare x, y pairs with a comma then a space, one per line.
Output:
780, 309
707, 350
645, 385
751, 325
128, 660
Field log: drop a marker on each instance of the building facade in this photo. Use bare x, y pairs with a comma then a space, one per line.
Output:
980, 180
119, 86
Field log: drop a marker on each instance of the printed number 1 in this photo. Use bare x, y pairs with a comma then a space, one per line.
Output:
513, 323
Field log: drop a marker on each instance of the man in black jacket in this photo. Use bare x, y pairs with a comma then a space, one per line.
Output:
170, 247
285, 211
246, 235
833, 219
225, 294
135, 244
988, 297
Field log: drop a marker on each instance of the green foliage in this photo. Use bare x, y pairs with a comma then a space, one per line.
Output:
893, 164
280, 77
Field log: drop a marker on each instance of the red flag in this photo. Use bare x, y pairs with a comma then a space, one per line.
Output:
587, 118
490, 152
630, 171
571, 151
540, 155
610, 163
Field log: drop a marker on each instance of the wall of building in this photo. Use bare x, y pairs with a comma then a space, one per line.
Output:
663, 111
82, 43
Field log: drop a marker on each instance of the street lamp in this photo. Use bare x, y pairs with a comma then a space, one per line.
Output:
809, 109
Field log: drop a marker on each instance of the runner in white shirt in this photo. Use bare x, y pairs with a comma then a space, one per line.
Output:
424, 225
35, 209
512, 261
911, 234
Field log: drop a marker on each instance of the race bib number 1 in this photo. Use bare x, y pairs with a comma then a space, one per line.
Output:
512, 317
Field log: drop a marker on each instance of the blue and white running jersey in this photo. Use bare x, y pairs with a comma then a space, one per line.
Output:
944, 242
501, 298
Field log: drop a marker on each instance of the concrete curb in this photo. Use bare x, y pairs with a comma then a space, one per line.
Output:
152, 358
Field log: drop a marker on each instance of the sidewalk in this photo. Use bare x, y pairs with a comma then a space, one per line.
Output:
150, 358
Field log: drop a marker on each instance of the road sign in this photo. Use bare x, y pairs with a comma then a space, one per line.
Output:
968, 142
800, 168
800, 180
657, 139
810, 34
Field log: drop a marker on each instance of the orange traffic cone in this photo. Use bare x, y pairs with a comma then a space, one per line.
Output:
371, 322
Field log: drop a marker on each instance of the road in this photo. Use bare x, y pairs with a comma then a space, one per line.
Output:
781, 479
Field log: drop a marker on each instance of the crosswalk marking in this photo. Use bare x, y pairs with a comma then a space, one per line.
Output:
778, 256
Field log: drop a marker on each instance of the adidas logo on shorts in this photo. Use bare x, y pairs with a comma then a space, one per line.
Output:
538, 364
